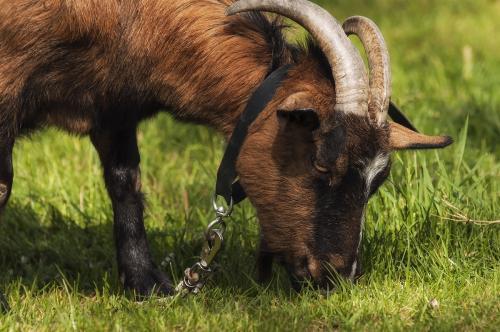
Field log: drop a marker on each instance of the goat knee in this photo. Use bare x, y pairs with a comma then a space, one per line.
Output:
123, 182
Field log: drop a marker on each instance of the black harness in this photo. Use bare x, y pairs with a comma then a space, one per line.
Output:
227, 186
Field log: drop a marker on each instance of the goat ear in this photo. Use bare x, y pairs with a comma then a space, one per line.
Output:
305, 118
402, 138
298, 109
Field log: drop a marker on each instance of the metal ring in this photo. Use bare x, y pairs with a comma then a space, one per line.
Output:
203, 269
188, 284
221, 210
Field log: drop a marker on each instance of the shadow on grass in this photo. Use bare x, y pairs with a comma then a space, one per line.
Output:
43, 249
40, 249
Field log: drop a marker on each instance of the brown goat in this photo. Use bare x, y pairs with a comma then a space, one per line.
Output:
311, 159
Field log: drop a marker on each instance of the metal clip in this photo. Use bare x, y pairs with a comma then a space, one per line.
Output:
212, 246
196, 276
220, 210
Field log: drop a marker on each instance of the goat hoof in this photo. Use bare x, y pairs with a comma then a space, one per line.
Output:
153, 282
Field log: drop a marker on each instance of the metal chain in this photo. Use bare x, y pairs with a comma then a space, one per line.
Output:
197, 275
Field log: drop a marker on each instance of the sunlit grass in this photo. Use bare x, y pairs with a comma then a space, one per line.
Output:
56, 248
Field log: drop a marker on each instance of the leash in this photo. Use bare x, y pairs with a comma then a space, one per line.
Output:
227, 185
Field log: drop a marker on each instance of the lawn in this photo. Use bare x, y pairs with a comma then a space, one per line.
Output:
431, 249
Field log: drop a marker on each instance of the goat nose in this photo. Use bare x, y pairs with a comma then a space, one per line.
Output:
337, 265
323, 273
302, 271
337, 262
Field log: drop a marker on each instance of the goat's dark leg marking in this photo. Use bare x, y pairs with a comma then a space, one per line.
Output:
6, 170
120, 157
264, 262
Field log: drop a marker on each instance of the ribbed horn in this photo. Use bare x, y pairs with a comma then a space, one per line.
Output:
378, 61
351, 82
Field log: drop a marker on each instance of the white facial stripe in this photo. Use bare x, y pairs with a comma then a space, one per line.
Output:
373, 168
353, 270
361, 230
355, 264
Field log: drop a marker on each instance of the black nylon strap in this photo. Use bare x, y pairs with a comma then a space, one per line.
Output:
226, 175
239, 193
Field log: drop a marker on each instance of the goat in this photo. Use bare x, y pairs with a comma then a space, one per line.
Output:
98, 67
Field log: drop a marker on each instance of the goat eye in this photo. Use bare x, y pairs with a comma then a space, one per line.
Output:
320, 168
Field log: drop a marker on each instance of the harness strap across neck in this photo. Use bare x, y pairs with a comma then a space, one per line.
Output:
227, 186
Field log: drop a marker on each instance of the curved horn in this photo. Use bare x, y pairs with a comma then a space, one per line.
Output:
351, 82
378, 61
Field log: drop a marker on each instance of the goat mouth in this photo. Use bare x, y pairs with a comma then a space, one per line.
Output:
301, 278
299, 283
326, 284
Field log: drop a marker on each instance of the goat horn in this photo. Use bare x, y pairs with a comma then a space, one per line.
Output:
351, 82
378, 61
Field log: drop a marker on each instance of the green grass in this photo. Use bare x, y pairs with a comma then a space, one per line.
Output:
56, 249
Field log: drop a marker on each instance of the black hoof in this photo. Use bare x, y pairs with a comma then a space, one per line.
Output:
153, 282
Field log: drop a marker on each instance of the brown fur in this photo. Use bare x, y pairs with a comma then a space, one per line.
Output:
182, 54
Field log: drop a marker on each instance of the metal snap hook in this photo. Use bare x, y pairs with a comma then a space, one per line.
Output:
220, 210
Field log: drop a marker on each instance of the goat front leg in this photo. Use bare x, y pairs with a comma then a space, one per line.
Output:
120, 158
6, 170
264, 262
